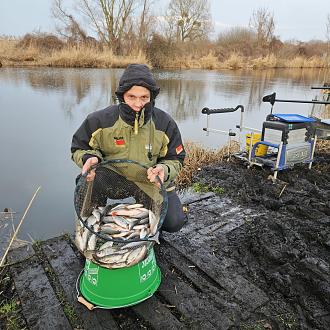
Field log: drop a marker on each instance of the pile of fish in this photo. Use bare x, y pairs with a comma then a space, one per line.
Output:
124, 222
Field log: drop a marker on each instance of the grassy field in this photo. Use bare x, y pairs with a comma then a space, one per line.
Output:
14, 53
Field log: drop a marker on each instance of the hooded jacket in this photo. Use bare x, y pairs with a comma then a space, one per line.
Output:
109, 133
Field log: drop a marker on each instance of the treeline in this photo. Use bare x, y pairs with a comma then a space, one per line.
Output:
130, 30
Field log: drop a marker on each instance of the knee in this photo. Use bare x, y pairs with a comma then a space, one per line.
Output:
173, 224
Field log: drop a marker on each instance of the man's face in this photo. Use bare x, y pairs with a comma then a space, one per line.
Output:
137, 97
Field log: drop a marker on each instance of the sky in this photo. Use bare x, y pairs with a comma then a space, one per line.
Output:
301, 20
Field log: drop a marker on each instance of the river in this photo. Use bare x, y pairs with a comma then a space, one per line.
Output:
40, 109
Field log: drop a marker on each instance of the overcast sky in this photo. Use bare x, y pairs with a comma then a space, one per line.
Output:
294, 19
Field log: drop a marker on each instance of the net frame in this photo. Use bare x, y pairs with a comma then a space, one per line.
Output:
82, 180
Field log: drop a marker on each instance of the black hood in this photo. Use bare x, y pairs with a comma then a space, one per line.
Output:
137, 75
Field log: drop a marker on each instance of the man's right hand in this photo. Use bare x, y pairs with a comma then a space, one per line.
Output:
89, 162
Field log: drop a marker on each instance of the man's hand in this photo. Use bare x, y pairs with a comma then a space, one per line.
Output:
152, 172
89, 162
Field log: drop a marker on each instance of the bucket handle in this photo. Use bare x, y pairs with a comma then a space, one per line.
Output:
87, 304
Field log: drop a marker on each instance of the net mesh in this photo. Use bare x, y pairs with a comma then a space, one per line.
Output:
119, 213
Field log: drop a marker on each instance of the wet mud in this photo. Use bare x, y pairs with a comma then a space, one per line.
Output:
285, 250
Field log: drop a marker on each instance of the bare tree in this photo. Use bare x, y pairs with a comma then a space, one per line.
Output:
109, 19
191, 19
69, 28
262, 22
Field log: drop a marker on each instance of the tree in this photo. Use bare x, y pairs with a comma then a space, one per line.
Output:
262, 22
70, 28
189, 19
108, 18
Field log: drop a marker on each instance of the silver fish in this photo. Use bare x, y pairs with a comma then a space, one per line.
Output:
91, 244
114, 258
108, 219
121, 221
119, 207
133, 245
133, 213
140, 227
109, 251
136, 255
106, 245
97, 215
153, 222
134, 206
134, 233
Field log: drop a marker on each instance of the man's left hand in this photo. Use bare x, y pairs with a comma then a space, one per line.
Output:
152, 172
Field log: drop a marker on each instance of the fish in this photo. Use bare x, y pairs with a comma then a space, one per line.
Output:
108, 219
119, 207
120, 221
133, 213
114, 258
120, 235
134, 206
109, 251
97, 215
106, 245
123, 221
133, 234
136, 255
153, 222
91, 244
134, 244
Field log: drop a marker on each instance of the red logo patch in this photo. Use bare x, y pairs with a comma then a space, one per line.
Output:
119, 142
179, 149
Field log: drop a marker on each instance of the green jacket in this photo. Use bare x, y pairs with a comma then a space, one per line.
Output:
110, 134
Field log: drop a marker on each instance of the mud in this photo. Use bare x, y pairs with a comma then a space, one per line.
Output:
286, 250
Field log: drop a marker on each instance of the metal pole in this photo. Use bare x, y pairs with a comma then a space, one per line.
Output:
300, 101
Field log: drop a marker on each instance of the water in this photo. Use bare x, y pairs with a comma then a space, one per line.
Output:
41, 108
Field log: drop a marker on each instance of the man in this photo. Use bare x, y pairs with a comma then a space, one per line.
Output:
136, 130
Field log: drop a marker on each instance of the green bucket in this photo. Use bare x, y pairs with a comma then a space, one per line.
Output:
114, 288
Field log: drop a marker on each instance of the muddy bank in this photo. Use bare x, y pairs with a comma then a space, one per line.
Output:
285, 251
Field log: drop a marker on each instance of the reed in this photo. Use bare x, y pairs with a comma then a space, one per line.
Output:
42, 51
197, 157
84, 56
322, 146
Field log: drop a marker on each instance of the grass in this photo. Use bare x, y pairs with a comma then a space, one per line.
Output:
10, 310
203, 188
9, 314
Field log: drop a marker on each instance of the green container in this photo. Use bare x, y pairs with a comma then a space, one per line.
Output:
114, 288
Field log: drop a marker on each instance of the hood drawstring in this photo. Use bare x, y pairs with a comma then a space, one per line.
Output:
136, 124
149, 146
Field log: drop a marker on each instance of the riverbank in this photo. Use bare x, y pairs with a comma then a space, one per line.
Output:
14, 53
254, 255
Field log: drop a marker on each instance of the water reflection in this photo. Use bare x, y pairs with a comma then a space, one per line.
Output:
183, 93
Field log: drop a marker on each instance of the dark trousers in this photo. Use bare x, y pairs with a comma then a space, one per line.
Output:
175, 217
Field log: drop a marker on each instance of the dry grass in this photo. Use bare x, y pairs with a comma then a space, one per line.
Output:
47, 51
70, 56
87, 57
323, 146
198, 157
